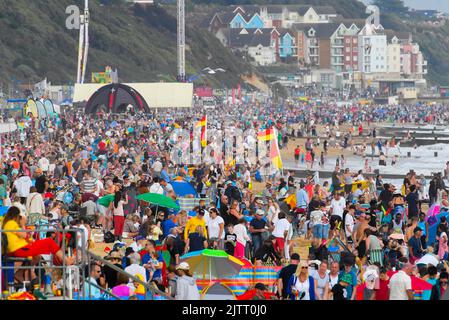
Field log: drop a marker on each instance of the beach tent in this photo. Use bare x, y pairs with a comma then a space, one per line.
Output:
57, 108
30, 108
218, 291
116, 98
49, 107
41, 109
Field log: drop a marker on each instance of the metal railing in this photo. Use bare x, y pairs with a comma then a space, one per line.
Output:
73, 276
67, 290
148, 288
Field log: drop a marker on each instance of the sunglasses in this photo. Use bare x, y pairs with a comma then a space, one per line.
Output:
443, 282
304, 267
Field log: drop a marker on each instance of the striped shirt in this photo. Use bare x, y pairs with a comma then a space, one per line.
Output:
89, 186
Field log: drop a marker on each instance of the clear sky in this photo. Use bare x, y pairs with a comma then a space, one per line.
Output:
442, 5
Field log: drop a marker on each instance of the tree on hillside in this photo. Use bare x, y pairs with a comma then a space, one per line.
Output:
391, 6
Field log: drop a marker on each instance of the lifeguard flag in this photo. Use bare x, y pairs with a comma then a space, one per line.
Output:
203, 125
275, 155
266, 135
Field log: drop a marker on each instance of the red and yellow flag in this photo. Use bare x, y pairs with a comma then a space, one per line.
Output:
266, 135
271, 136
203, 125
275, 155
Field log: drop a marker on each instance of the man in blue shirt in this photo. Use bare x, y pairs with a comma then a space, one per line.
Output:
415, 246
168, 223
302, 199
91, 291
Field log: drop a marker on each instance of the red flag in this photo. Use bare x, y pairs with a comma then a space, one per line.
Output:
233, 96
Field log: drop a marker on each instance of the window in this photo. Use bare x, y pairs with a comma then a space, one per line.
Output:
348, 50
354, 40
348, 41
354, 58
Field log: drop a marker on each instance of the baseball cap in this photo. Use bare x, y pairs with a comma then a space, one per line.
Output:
417, 229
183, 266
260, 212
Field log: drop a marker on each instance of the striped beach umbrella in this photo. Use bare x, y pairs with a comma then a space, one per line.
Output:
214, 264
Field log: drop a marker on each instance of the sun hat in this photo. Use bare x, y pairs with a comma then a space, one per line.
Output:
183, 266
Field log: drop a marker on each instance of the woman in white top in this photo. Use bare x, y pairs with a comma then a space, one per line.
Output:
242, 237
301, 285
119, 215
273, 211
215, 227
322, 281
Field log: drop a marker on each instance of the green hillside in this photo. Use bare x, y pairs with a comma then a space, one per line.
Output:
140, 43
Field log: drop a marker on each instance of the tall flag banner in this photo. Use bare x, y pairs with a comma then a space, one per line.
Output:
271, 136
233, 96
275, 154
266, 135
203, 125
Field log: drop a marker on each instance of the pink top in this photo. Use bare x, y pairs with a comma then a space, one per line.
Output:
121, 290
443, 247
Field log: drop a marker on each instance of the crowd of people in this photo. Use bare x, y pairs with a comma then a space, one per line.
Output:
58, 170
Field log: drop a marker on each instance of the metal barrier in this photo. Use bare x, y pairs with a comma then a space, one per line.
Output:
74, 276
78, 266
148, 288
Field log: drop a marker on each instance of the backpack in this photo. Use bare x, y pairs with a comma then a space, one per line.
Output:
109, 237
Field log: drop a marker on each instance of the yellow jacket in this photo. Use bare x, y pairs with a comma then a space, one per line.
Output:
192, 224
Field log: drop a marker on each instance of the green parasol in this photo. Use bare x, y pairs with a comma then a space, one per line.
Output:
159, 200
106, 200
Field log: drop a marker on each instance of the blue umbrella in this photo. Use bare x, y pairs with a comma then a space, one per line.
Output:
183, 188
114, 124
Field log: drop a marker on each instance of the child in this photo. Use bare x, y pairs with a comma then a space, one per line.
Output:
56, 282
339, 291
152, 265
230, 240
443, 247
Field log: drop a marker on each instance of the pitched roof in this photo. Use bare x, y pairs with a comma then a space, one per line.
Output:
402, 36
302, 10
225, 16
263, 39
251, 38
323, 30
